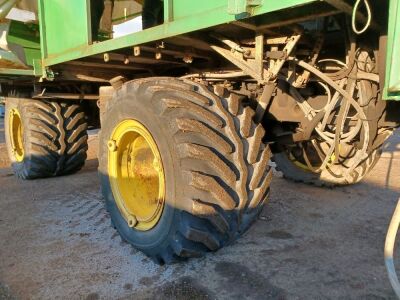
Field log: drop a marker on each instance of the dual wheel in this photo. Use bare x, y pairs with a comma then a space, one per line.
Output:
183, 168
45, 138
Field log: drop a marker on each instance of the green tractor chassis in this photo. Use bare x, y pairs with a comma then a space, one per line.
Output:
194, 107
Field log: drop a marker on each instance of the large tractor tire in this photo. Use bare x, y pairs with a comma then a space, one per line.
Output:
361, 140
296, 169
45, 138
183, 169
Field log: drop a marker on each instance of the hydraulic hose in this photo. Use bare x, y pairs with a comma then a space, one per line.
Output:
354, 18
389, 247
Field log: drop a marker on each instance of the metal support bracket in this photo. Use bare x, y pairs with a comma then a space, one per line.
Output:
278, 63
303, 79
237, 59
253, 61
252, 65
237, 7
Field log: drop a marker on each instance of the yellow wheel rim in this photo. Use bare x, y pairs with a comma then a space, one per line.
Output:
331, 161
16, 135
136, 175
297, 163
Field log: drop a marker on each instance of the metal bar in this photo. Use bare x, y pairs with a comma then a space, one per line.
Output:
343, 6
5, 71
140, 59
265, 28
245, 25
66, 96
103, 65
265, 100
197, 42
259, 55
168, 11
42, 28
291, 44
348, 9
239, 62
176, 53
392, 80
89, 22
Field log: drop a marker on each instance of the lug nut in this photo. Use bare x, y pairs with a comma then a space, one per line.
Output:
136, 51
132, 221
112, 145
188, 59
158, 54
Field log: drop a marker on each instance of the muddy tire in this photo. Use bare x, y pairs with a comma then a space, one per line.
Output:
302, 161
216, 169
45, 138
293, 170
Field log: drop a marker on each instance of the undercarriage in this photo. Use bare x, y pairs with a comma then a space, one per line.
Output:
191, 120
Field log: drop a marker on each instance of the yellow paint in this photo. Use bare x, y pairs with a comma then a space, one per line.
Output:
332, 160
16, 135
297, 163
136, 175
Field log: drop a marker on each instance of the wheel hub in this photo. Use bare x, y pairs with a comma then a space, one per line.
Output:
136, 175
16, 135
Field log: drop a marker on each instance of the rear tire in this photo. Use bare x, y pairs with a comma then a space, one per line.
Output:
53, 137
292, 170
216, 169
311, 161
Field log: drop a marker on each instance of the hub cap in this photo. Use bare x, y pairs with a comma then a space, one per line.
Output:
16, 135
136, 175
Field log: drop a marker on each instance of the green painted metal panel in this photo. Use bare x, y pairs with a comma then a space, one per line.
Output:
26, 36
65, 25
183, 8
24, 42
236, 7
17, 72
392, 84
186, 16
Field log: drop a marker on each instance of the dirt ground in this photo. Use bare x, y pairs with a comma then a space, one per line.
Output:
56, 242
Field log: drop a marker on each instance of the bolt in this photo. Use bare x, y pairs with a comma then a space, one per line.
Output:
106, 57
126, 60
136, 51
132, 221
158, 54
112, 145
187, 58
